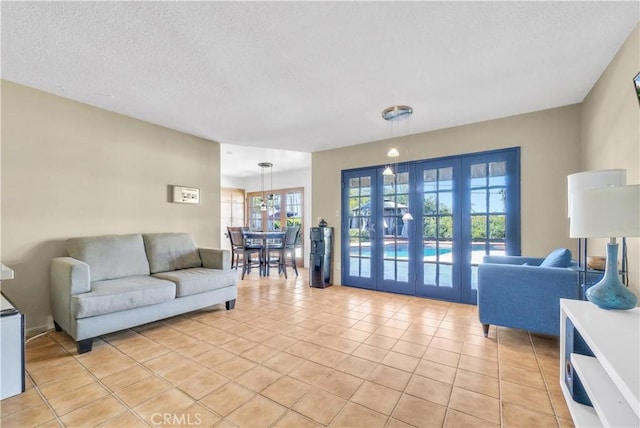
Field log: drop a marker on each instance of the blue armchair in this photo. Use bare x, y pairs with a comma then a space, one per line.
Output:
525, 296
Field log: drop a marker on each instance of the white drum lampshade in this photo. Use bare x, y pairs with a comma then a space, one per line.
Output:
592, 180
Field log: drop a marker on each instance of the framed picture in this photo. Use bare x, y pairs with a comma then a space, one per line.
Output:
636, 83
186, 195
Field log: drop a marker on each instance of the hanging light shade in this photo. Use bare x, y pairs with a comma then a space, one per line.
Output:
263, 165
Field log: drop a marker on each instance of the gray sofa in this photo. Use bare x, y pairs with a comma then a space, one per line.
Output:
110, 283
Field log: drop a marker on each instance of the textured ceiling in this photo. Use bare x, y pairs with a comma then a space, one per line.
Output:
310, 76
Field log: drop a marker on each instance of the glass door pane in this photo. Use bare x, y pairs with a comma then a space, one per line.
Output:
395, 257
439, 221
359, 230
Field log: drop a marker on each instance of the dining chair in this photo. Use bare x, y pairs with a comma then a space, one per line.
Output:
287, 247
239, 246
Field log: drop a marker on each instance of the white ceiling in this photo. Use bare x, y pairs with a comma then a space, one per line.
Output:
310, 76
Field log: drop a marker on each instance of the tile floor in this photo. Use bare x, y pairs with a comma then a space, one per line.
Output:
293, 356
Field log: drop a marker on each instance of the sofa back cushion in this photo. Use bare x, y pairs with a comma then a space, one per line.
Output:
171, 251
110, 256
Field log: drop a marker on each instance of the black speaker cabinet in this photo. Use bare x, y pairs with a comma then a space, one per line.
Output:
575, 344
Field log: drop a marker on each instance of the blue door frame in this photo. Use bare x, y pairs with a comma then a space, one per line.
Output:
424, 257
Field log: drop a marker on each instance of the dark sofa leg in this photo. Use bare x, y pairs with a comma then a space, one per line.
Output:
57, 326
84, 346
485, 329
230, 304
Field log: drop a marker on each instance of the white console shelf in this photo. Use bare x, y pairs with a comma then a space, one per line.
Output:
611, 379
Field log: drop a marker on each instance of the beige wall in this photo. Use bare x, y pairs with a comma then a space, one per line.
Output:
550, 150
611, 133
69, 169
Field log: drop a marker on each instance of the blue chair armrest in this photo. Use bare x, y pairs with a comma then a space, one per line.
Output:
525, 297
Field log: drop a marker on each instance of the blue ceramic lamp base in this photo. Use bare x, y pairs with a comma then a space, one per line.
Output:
610, 293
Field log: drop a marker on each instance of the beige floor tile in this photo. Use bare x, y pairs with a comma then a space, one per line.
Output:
77, 398
517, 416
437, 371
356, 335
341, 384
300, 347
409, 348
238, 345
195, 349
172, 401
227, 398
214, 357
303, 349
446, 344
419, 413
258, 378
286, 391
126, 419
283, 362
234, 367
47, 374
477, 382
259, 353
94, 414
380, 341
395, 423
257, 412
310, 372
390, 377
522, 376
328, 357
201, 384
456, 419
183, 371
371, 353
166, 362
280, 341
126, 377
377, 397
442, 356
484, 352
400, 361
143, 390
479, 365
295, 420
474, 404
29, 398
429, 389
356, 366
525, 396
320, 406
32, 416
356, 416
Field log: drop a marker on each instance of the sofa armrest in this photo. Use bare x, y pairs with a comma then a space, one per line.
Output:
513, 260
68, 277
213, 258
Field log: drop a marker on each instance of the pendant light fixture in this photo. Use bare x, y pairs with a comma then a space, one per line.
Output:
263, 165
397, 118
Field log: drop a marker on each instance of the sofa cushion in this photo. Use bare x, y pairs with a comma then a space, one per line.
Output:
199, 280
121, 294
171, 251
560, 257
110, 256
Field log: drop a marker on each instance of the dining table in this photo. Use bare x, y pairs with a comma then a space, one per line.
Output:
267, 238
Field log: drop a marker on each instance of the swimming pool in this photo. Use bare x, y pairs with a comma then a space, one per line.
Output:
401, 250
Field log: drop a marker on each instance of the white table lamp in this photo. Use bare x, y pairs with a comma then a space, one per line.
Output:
607, 212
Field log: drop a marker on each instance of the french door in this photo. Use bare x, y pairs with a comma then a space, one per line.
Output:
424, 230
